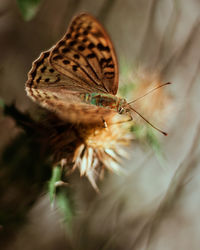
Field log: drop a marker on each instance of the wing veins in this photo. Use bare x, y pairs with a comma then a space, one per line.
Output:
101, 68
70, 58
82, 79
88, 63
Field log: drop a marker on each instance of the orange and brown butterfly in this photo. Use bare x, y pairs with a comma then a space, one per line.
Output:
78, 77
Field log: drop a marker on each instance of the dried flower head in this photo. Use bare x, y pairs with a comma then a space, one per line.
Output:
102, 148
90, 148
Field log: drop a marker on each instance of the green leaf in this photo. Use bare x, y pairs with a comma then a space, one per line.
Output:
65, 205
28, 8
61, 195
56, 176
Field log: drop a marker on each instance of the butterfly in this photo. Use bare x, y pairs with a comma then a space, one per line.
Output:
78, 77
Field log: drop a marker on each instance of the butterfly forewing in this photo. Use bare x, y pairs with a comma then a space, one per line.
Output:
82, 62
87, 53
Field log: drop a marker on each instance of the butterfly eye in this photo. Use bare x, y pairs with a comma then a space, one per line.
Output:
121, 110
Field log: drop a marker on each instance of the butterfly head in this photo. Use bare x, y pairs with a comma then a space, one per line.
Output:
123, 106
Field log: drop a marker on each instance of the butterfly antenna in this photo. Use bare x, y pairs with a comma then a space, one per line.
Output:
162, 85
164, 133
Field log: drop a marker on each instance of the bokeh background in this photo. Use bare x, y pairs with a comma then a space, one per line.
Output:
156, 205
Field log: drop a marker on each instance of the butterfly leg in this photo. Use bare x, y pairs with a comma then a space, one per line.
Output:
129, 119
104, 123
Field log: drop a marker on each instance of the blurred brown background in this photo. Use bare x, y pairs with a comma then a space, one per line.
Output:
153, 207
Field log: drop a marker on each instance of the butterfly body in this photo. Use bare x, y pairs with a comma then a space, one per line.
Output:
105, 100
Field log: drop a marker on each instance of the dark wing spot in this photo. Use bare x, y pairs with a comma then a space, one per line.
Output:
84, 40
55, 50
104, 62
43, 69
85, 33
39, 62
81, 48
57, 57
109, 73
110, 66
91, 45
33, 74
88, 27
100, 46
65, 50
75, 67
66, 62
77, 35
107, 48
47, 97
72, 43
109, 60
51, 70
38, 80
103, 48
92, 55
76, 56
47, 80
39, 96
55, 97
68, 36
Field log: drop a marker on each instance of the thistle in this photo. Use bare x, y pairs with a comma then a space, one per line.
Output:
91, 149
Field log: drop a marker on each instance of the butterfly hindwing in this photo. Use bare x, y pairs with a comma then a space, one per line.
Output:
43, 75
61, 94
